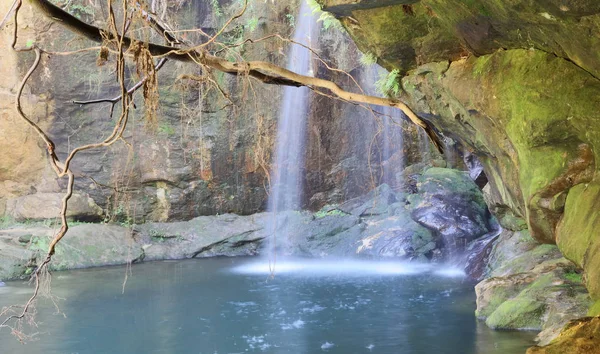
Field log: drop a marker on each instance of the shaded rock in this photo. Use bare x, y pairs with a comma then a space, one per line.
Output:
477, 255
375, 202
475, 168
581, 336
503, 213
42, 206
450, 204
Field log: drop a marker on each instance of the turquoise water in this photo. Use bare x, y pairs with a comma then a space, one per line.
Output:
231, 306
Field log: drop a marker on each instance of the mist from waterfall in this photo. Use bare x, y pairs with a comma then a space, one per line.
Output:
288, 164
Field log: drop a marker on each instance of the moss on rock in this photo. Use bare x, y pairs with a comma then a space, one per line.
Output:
517, 313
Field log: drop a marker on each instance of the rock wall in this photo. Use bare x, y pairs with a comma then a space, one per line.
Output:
202, 155
516, 83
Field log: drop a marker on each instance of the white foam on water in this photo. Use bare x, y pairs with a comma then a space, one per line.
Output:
327, 345
295, 325
343, 267
451, 272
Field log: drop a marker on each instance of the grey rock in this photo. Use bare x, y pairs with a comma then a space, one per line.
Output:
40, 206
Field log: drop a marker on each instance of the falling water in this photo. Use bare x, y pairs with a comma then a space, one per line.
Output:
391, 135
392, 158
424, 146
286, 188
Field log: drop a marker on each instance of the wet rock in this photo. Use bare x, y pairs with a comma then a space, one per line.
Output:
14, 259
396, 236
42, 206
375, 202
204, 236
450, 204
477, 255
531, 286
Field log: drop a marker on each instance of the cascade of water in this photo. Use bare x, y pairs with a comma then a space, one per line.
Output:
286, 187
392, 134
425, 149
393, 147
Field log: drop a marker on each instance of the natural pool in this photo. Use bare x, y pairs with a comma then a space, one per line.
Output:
230, 305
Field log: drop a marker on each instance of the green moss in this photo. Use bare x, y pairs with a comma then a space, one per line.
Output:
333, 212
498, 297
594, 309
517, 313
580, 221
573, 277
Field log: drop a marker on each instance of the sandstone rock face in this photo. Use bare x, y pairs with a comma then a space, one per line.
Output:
202, 155
42, 206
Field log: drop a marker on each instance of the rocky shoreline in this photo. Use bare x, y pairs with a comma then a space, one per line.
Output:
527, 285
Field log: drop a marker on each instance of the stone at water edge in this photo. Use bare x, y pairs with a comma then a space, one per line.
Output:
2, 283
580, 336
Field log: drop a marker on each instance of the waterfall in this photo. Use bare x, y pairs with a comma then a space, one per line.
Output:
391, 135
288, 164
392, 159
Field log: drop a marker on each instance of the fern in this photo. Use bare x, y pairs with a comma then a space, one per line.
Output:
216, 8
368, 59
328, 20
389, 84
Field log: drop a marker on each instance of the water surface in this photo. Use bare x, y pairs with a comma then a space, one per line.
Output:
231, 306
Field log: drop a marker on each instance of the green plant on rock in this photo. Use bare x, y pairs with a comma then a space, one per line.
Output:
368, 59
574, 277
332, 212
389, 84
326, 18
216, 8
252, 24
290, 19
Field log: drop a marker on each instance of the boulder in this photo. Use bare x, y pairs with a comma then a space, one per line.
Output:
531, 286
450, 204
204, 236
88, 245
40, 206
375, 202
396, 236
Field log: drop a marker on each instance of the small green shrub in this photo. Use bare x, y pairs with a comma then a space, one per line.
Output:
368, 59
389, 84
332, 212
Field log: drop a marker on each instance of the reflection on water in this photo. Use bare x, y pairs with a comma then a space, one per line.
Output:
231, 306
